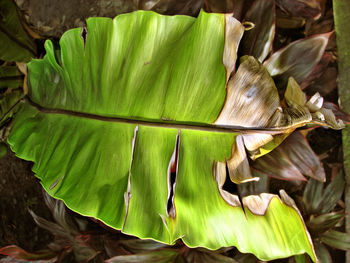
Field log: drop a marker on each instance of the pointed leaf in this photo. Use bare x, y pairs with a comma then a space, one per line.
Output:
66, 238
336, 239
324, 222
257, 42
298, 59
332, 193
318, 200
312, 196
129, 137
291, 160
322, 253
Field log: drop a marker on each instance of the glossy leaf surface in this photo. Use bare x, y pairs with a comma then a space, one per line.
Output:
121, 127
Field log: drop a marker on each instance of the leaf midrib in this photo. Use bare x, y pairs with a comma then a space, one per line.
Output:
161, 123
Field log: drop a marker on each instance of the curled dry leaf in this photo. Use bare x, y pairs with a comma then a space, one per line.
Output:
252, 88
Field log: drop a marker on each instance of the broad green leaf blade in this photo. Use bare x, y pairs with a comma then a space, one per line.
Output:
95, 126
298, 59
257, 42
151, 65
15, 42
90, 145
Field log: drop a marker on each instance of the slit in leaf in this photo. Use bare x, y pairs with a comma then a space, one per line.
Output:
220, 175
127, 195
83, 35
231, 187
171, 178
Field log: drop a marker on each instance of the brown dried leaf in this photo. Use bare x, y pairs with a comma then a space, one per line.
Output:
238, 164
233, 34
252, 97
258, 204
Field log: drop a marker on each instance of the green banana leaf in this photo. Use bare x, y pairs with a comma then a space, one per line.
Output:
139, 123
